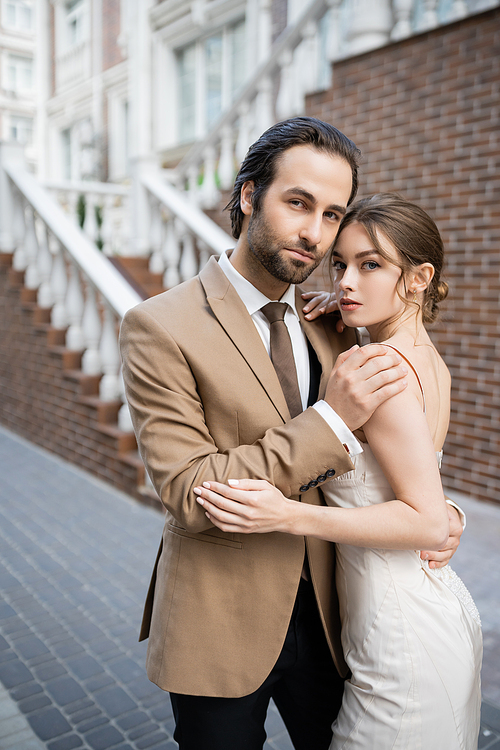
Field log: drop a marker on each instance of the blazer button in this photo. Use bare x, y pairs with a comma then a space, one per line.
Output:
330, 473
321, 477
313, 483
304, 488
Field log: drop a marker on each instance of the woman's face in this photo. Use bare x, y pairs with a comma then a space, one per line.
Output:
366, 285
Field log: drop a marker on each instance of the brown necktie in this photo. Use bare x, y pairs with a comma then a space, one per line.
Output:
282, 355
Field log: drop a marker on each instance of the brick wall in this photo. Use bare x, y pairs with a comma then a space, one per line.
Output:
425, 113
111, 52
42, 399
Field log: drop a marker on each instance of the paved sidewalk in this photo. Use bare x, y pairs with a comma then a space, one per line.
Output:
75, 560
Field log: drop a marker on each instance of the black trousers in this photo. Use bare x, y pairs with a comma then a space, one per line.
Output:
304, 684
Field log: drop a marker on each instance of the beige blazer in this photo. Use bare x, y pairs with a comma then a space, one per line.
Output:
206, 404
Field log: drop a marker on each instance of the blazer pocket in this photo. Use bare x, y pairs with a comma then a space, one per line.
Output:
212, 536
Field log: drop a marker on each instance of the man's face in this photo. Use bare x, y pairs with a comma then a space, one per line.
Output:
300, 213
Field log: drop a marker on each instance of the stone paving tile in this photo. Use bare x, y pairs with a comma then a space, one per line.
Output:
75, 560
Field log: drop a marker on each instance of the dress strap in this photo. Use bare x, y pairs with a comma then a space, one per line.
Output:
412, 367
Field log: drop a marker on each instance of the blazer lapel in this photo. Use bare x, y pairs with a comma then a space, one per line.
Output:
239, 326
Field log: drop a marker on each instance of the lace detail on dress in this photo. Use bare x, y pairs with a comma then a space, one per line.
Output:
448, 576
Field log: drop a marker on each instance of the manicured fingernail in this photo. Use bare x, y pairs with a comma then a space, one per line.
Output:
200, 500
197, 490
306, 308
425, 556
405, 369
307, 317
232, 482
207, 515
207, 485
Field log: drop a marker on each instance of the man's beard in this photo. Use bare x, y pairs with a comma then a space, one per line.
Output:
265, 245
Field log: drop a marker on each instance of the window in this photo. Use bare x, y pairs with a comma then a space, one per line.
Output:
210, 72
75, 22
21, 130
18, 15
19, 73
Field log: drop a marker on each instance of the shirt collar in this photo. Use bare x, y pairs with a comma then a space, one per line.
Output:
249, 295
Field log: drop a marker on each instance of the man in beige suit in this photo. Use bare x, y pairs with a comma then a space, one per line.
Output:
235, 620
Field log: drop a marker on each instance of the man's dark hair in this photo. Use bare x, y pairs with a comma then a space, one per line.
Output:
259, 165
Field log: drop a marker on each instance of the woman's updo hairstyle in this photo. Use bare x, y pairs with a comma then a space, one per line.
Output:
411, 231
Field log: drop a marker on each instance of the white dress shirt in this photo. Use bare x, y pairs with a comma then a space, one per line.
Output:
254, 301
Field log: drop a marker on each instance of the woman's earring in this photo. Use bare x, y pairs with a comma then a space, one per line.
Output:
415, 296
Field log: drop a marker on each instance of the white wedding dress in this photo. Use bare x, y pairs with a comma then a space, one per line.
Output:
411, 638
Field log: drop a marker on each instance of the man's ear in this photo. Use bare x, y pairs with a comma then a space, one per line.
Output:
246, 197
420, 277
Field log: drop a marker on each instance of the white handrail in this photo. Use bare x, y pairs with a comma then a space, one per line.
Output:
196, 221
96, 267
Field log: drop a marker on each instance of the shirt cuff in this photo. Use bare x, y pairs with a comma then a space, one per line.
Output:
463, 518
339, 427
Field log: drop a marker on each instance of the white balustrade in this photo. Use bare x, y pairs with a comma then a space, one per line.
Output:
90, 223
156, 260
189, 262
20, 260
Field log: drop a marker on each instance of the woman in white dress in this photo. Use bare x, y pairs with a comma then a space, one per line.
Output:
411, 635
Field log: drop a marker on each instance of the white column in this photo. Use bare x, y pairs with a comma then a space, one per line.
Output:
107, 224
334, 38
263, 108
42, 57
141, 214
19, 261
90, 224
243, 140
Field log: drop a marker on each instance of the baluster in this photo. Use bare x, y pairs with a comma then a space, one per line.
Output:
31, 277
264, 40
226, 162
156, 262
429, 18
204, 253
188, 265
243, 140
309, 71
192, 184
124, 419
20, 259
107, 225
58, 285
172, 254
402, 14
459, 10
72, 206
45, 298
209, 194
122, 226
333, 36
285, 99
264, 115
75, 341
109, 388
91, 326
90, 224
